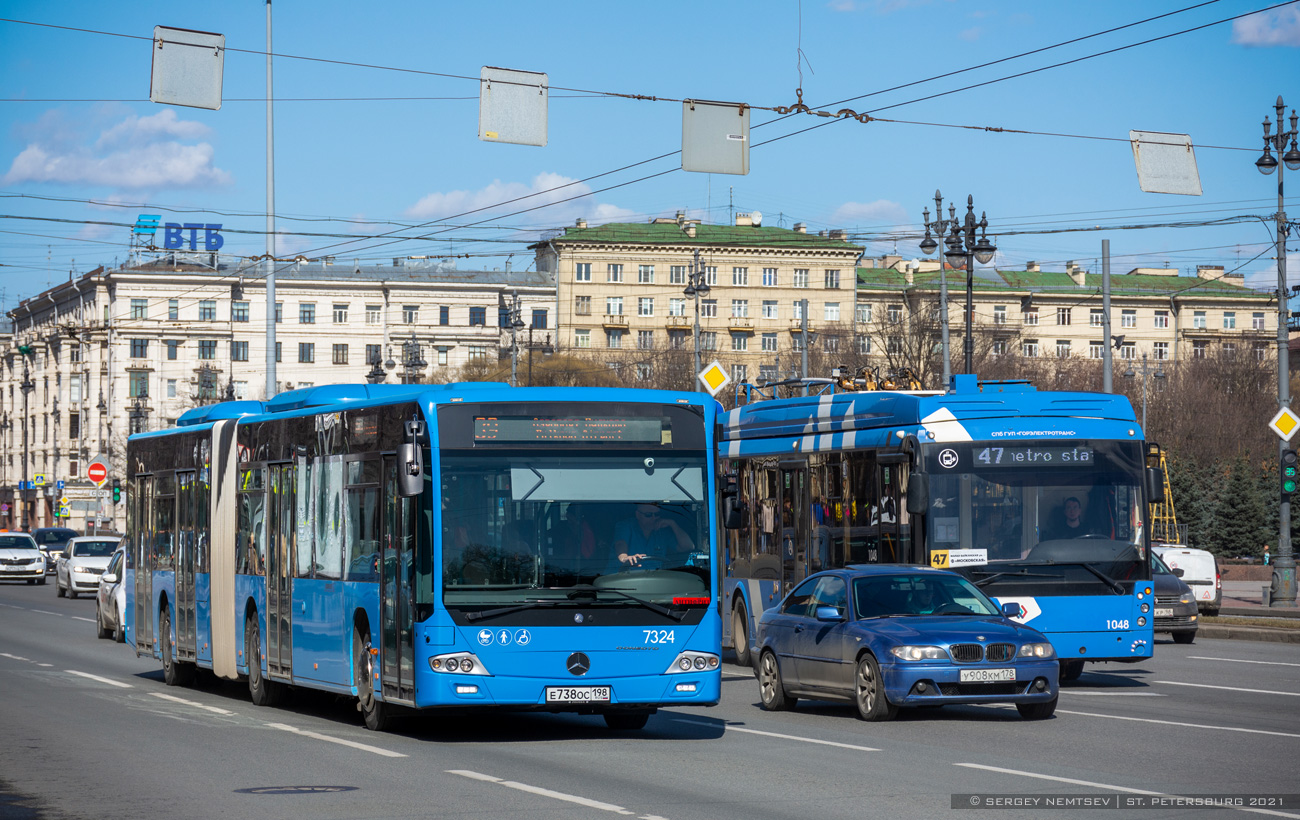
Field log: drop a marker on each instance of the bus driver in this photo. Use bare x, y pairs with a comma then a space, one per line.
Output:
649, 534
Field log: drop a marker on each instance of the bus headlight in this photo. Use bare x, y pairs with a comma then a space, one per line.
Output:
1142, 620
919, 653
693, 662
1036, 650
1145, 608
460, 663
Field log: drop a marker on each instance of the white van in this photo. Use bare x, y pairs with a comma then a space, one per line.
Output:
1200, 572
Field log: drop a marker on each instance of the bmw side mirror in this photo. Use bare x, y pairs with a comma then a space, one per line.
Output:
1012, 610
829, 613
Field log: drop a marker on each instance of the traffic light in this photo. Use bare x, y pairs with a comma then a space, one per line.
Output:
117, 489
1290, 472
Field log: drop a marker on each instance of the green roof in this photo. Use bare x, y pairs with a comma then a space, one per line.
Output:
1130, 284
670, 233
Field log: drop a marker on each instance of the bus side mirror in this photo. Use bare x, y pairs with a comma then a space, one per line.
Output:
410, 462
918, 493
1155, 486
732, 509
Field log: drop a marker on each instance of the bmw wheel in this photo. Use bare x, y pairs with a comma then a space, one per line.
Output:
869, 692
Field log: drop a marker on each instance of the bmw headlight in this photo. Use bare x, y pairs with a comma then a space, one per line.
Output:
919, 653
1036, 650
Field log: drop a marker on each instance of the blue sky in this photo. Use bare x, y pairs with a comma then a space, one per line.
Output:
80, 142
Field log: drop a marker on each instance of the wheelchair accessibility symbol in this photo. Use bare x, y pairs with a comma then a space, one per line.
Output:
522, 637
485, 637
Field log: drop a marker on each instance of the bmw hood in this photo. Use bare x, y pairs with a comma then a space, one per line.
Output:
952, 629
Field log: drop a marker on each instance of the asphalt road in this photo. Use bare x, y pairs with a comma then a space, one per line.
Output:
90, 731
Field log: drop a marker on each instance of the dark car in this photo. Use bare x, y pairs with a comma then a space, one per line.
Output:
883, 637
52, 542
1175, 602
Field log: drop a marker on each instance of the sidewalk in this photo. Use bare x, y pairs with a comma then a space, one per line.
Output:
1243, 599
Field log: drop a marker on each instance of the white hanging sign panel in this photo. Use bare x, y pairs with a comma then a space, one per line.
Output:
1166, 163
187, 67
512, 106
715, 137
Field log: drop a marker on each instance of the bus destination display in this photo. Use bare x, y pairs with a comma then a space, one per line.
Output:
1017, 456
503, 429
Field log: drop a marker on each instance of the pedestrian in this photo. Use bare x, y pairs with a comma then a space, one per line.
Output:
1266, 555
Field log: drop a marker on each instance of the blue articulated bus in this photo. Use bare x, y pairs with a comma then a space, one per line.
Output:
422, 546
1038, 497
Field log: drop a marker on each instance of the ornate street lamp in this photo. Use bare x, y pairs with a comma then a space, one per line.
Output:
696, 286
963, 249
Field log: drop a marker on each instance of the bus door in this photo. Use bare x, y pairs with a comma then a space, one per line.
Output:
185, 566
396, 581
792, 487
887, 516
279, 570
143, 546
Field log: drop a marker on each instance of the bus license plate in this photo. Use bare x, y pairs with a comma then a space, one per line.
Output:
1165, 612
577, 694
987, 675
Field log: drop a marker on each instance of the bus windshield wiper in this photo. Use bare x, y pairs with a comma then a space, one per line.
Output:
1020, 573
594, 592
540, 603
1106, 579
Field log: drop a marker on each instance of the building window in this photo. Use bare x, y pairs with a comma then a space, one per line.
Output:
173, 309
999, 346
279, 349
239, 311
74, 388
767, 373
1029, 317
796, 310
139, 308
832, 279
711, 275
831, 343
769, 277
740, 308
374, 314
677, 339
1096, 317
171, 388
740, 277
239, 351
1096, 350
769, 309
1161, 319
645, 274
306, 352
442, 356
1230, 349
740, 342
645, 306
207, 348
708, 340
864, 313
895, 313
582, 338
999, 314
1128, 318
1128, 350
477, 352
1198, 320
644, 372
739, 372
1229, 320
613, 305
1256, 321
539, 319
645, 340
1029, 348
172, 349
340, 354
1261, 351
801, 277
831, 311
677, 274
1063, 316
138, 387
709, 308
340, 313
582, 272
374, 354
1160, 351
864, 344
279, 312
676, 307
582, 305
410, 314
1062, 348
769, 342
478, 316
207, 310
613, 273
74, 426
894, 345
139, 348
307, 313
614, 339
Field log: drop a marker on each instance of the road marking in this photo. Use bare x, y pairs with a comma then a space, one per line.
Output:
351, 743
1235, 660
175, 699
1107, 786
98, 678
524, 787
1113, 694
1176, 723
1229, 688
46, 665
79, 618
46, 612
731, 728
14, 657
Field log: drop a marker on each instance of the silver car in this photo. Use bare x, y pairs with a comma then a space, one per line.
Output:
110, 600
82, 563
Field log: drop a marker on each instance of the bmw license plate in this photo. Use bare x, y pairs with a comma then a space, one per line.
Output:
987, 675
577, 694
1165, 612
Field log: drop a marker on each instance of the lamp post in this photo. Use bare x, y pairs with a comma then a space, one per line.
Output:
138, 414
964, 248
516, 324
1159, 374
1284, 581
26, 386
697, 286
940, 227
412, 360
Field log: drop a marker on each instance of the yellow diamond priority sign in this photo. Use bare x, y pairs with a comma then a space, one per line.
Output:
1285, 423
714, 378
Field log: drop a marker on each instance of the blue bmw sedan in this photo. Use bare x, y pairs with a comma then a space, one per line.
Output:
884, 637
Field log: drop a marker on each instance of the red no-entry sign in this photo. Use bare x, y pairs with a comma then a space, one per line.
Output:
97, 471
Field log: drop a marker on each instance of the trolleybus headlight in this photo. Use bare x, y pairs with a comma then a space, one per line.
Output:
1142, 621
684, 664
919, 653
1036, 650
453, 664
467, 665
1145, 608
693, 662
700, 662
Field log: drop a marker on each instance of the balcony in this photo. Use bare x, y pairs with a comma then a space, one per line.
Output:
683, 322
796, 326
615, 320
739, 324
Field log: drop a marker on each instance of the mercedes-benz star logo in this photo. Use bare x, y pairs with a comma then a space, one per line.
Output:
578, 664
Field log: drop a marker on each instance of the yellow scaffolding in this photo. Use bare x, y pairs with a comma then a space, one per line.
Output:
1164, 521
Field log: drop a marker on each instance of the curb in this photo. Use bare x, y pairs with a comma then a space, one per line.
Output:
1261, 611
1248, 633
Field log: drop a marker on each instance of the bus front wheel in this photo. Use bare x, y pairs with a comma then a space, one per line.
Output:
1071, 670
175, 673
262, 691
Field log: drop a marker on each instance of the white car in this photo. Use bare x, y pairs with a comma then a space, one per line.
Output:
82, 564
110, 600
20, 558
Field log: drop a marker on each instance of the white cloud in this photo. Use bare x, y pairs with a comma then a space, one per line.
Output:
882, 210
135, 153
548, 187
1279, 27
970, 35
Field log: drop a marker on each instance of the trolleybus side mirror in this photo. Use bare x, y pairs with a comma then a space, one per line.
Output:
918, 493
732, 509
1155, 485
410, 461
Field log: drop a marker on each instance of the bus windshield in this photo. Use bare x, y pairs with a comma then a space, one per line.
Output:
546, 529
1050, 516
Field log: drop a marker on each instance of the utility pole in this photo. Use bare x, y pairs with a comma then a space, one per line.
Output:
803, 317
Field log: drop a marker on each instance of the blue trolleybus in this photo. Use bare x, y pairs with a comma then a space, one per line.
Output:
420, 546
1038, 497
